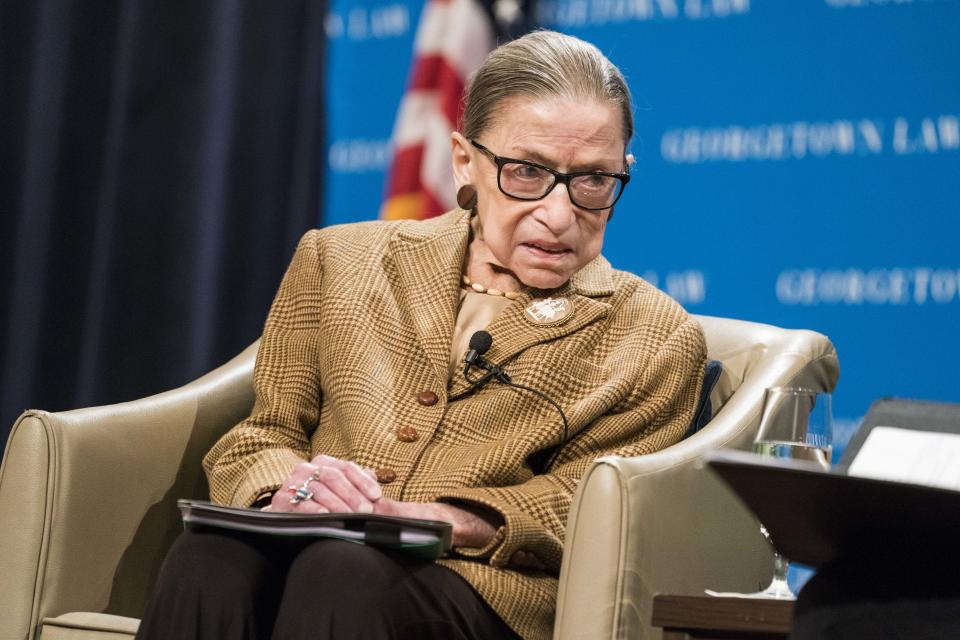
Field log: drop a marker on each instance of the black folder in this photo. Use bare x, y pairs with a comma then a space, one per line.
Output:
428, 539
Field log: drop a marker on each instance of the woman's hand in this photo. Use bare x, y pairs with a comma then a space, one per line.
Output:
472, 527
338, 486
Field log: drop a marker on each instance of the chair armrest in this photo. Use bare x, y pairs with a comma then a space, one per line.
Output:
661, 524
92, 493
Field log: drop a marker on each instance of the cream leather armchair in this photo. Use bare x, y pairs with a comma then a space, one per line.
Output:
88, 499
659, 523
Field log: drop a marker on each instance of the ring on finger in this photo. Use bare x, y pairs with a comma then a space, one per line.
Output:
301, 493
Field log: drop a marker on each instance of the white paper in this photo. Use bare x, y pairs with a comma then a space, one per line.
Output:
907, 455
763, 595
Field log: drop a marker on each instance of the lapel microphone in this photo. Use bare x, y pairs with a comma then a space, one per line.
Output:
480, 343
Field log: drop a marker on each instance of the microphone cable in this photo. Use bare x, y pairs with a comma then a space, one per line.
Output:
480, 343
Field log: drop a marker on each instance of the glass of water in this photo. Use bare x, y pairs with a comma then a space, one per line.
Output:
797, 424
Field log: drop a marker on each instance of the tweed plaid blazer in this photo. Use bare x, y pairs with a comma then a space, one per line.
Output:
362, 325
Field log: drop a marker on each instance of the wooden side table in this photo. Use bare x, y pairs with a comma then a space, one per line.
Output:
708, 618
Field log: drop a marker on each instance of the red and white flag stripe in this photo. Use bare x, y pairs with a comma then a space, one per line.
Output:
453, 38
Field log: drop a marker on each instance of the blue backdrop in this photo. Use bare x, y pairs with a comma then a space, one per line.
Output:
798, 163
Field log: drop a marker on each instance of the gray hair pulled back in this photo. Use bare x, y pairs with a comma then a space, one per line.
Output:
543, 64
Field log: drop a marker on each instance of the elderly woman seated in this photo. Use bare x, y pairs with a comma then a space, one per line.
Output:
362, 397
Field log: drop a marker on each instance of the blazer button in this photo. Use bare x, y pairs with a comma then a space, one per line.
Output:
407, 434
386, 475
427, 398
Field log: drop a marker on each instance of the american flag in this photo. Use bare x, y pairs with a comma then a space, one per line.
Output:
453, 38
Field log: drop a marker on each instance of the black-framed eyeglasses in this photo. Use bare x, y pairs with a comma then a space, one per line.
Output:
525, 180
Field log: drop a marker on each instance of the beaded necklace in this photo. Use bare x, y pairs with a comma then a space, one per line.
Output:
479, 288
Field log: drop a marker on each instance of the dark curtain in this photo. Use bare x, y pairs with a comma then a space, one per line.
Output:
158, 163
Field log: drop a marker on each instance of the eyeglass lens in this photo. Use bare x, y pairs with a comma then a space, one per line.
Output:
530, 182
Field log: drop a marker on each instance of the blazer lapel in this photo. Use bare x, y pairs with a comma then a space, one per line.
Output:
429, 258
512, 332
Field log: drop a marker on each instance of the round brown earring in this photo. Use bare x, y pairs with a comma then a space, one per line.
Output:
467, 197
